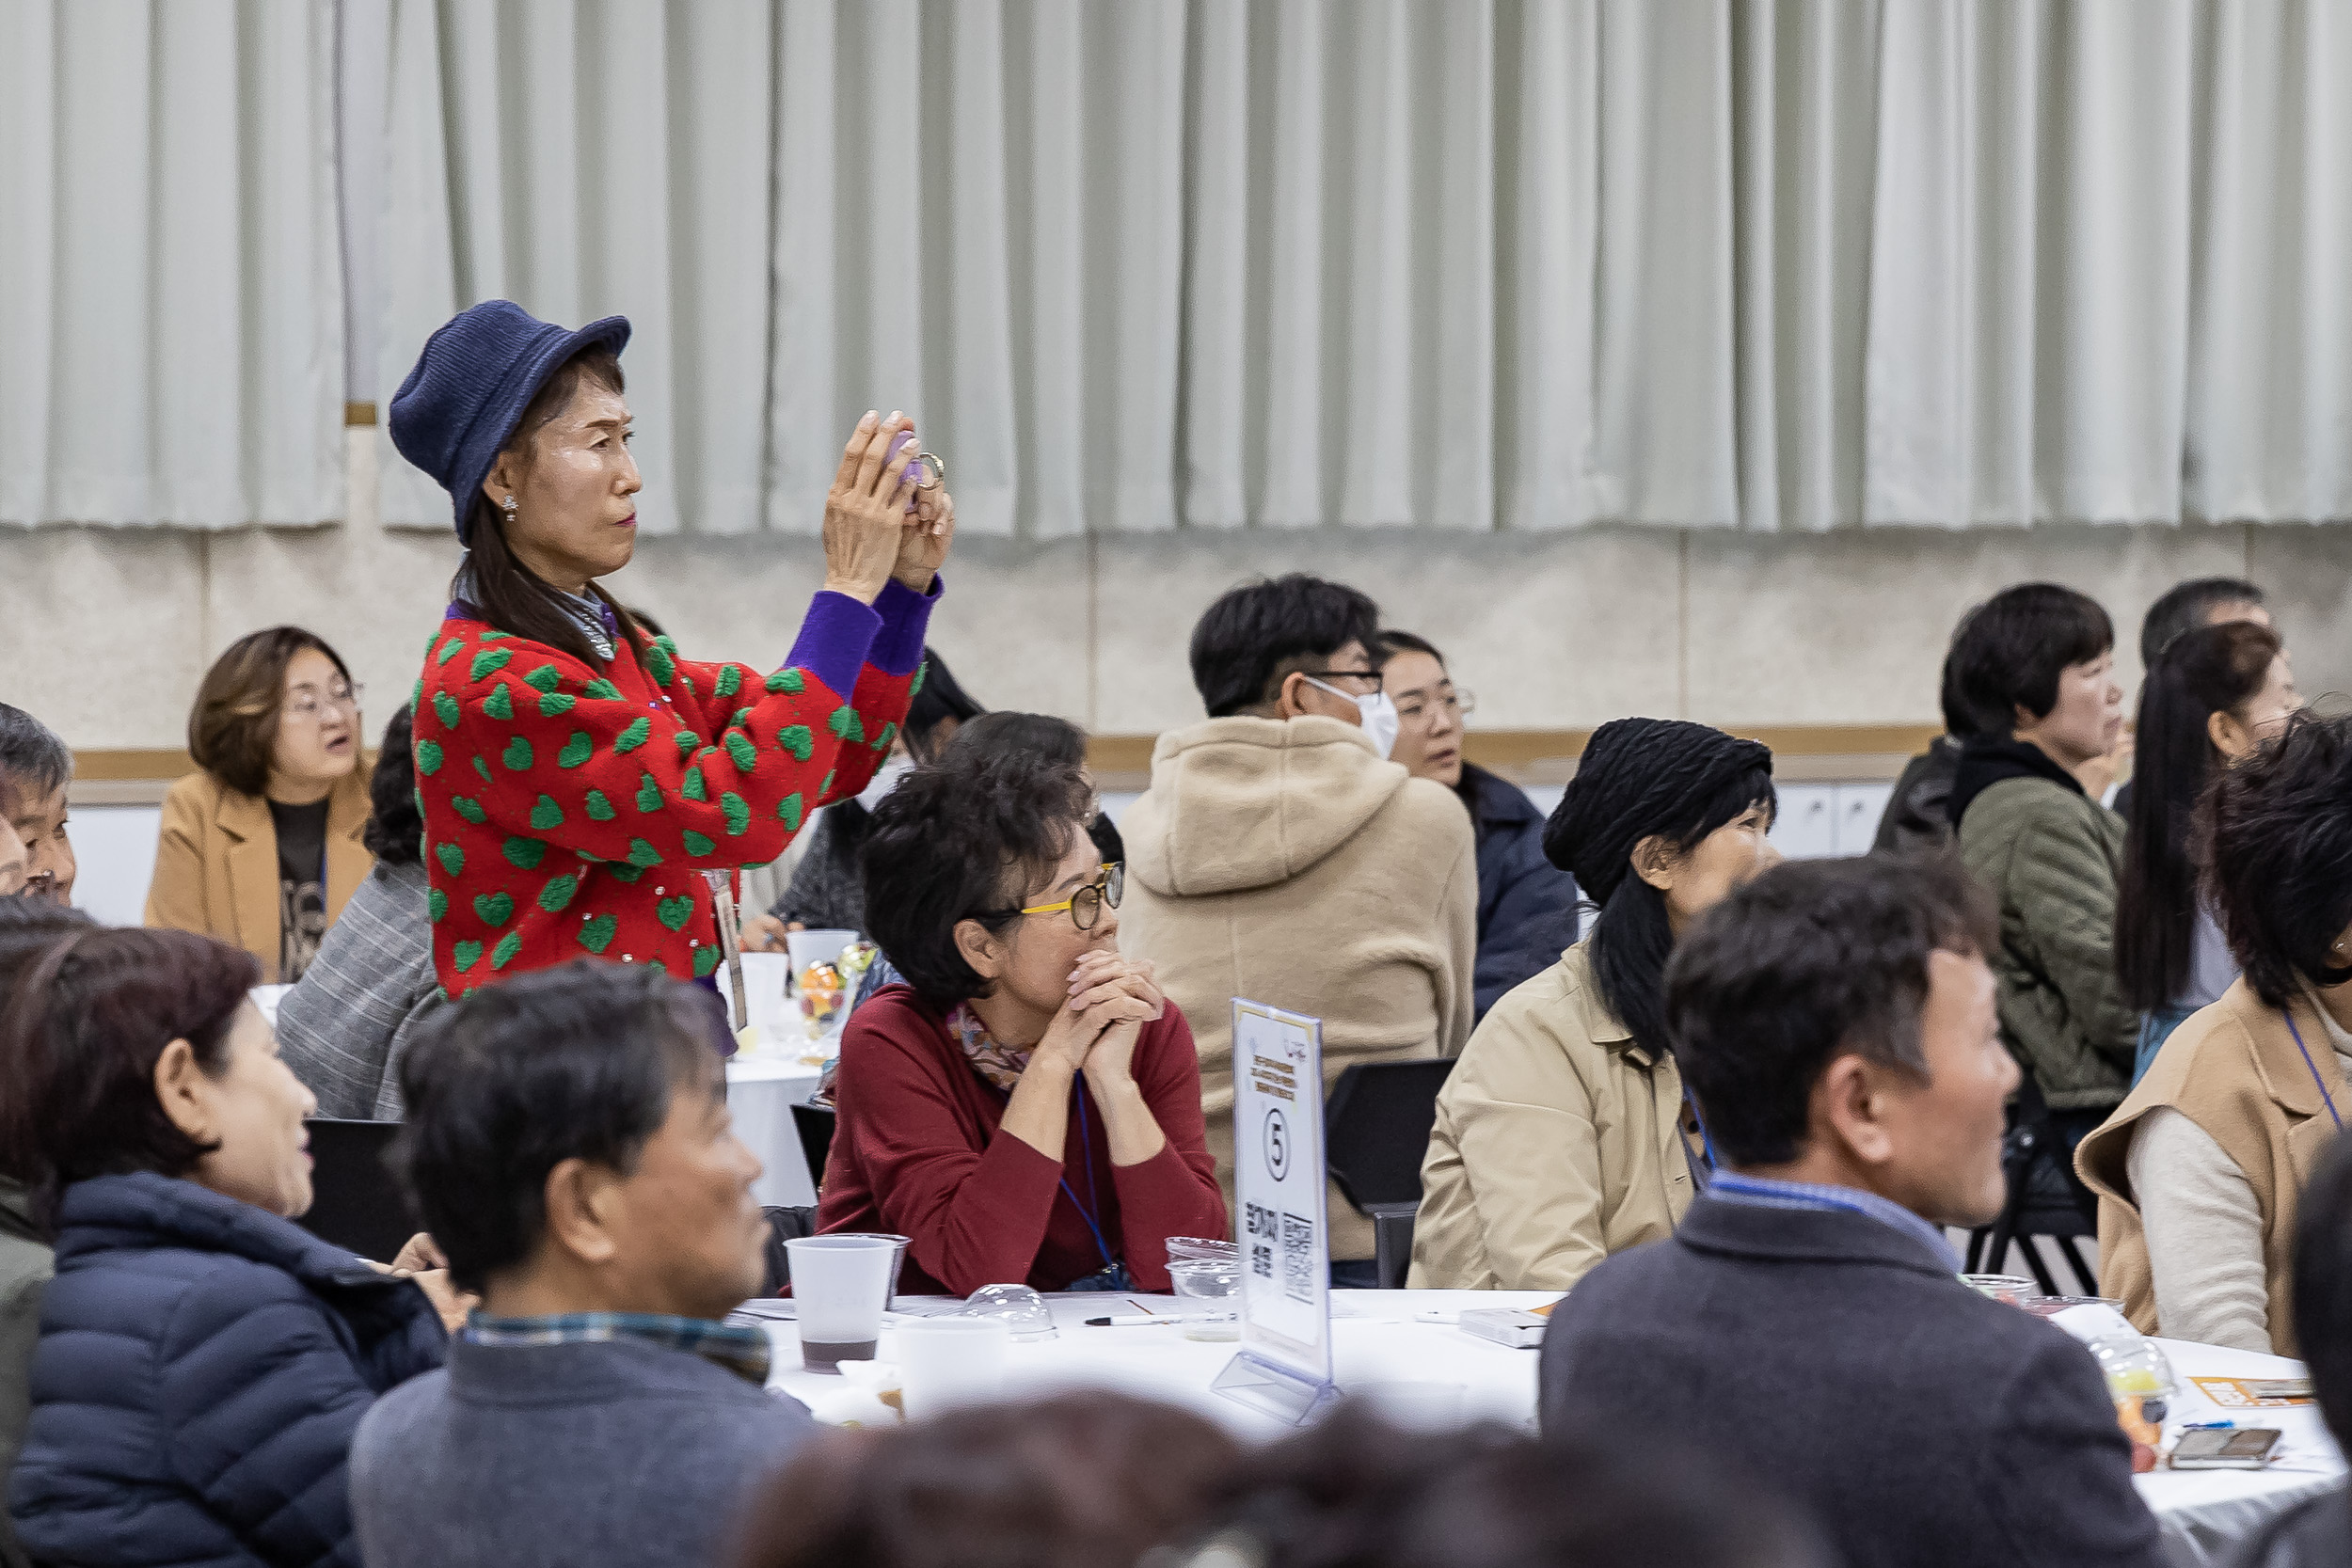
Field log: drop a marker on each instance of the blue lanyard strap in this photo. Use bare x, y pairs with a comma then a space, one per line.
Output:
1706, 1142
2325, 1097
1086, 1152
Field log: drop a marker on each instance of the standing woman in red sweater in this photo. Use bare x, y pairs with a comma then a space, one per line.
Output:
577, 776
1026, 1108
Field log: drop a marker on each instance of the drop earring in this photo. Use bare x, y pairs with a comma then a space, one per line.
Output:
509, 505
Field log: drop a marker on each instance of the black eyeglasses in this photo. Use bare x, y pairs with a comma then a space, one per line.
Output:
1086, 905
1372, 675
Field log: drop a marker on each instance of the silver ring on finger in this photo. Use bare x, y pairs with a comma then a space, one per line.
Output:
934, 471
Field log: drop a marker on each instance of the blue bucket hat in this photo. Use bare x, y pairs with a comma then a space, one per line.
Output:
471, 383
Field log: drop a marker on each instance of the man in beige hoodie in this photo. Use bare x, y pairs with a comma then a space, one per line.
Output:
1279, 856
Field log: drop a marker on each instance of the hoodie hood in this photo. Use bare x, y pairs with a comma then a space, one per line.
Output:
1240, 804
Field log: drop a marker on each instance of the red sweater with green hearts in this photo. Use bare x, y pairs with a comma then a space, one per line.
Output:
570, 812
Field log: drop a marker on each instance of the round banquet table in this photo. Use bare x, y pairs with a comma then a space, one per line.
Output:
1385, 1336
762, 1089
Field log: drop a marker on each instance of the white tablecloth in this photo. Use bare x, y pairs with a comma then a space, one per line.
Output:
1377, 1337
761, 1091
2205, 1513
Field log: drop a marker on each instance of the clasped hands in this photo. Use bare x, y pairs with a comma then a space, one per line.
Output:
421, 1259
1111, 998
870, 536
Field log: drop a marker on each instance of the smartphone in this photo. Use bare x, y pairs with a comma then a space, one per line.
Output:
915, 465
2220, 1448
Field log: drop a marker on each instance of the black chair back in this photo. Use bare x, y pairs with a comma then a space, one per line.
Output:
355, 1202
2045, 1199
784, 1224
1376, 1129
814, 1123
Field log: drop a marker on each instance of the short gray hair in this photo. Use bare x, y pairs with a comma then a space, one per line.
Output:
33, 761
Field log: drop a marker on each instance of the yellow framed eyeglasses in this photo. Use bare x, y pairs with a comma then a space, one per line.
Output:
1086, 905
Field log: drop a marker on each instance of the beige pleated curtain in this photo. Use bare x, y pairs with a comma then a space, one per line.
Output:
1778, 264
171, 297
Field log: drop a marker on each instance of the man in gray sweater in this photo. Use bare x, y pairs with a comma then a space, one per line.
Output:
568, 1146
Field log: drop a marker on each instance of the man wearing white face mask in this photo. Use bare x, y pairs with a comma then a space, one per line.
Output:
1280, 856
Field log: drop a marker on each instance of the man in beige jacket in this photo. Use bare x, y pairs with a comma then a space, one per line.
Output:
1281, 858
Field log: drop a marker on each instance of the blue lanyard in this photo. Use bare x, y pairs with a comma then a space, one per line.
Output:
2326, 1097
1706, 1142
1086, 1151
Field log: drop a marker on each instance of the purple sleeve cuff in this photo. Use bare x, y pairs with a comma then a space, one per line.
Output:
835, 639
906, 616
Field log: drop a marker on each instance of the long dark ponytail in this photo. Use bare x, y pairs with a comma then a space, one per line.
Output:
2204, 671
509, 594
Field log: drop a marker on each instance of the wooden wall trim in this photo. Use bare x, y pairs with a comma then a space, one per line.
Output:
1802, 753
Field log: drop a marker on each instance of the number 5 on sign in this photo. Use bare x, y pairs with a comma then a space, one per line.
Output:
1284, 1365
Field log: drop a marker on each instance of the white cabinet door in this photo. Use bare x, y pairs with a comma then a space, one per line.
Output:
1807, 827
1859, 808
115, 849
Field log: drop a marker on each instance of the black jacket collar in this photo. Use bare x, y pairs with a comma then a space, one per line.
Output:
1985, 762
1494, 801
1717, 1225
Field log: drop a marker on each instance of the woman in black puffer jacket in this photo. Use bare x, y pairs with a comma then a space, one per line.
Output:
202, 1361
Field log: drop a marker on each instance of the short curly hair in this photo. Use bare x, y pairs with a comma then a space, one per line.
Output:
966, 839
2275, 837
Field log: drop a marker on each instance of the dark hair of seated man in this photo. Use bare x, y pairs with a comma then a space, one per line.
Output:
568, 1146
34, 768
1805, 1010
568, 1141
2198, 602
1248, 643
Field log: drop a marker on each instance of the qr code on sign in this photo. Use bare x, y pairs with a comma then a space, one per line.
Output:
1298, 1257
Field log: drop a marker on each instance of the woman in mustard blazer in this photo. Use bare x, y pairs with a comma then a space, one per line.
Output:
261, 847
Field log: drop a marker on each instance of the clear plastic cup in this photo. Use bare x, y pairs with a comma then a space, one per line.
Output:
2011, 1287
839, 1284
897, 1257
1213, 1284
948, 1362
1200, 1249
804, 948
766, 978
1021, 1309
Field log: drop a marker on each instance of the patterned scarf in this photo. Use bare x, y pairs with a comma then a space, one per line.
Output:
1001, 1065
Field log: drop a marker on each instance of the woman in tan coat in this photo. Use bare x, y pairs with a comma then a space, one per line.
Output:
1563, 1135
2199, 1172
261, 847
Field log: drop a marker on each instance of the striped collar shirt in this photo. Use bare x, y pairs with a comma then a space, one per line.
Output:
1732, 1187
741, 1349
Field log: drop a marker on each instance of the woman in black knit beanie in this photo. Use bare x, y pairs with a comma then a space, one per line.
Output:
1562, 1135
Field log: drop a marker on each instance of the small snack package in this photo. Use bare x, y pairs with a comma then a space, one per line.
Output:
871, 1396
2139, 1375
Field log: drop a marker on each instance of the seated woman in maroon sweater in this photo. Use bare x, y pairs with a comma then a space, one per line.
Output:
1026, 1108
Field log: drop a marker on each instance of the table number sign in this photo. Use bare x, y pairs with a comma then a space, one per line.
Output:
1283, 1367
